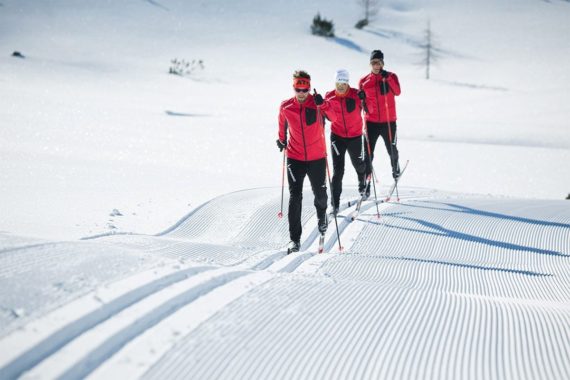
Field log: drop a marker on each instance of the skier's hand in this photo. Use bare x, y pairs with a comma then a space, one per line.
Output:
281, 145
385, 74
361, 94
319, 99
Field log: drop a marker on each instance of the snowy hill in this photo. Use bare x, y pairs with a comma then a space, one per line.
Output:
91, 118
466, 277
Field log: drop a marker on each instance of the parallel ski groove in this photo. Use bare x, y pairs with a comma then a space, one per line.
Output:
59, 337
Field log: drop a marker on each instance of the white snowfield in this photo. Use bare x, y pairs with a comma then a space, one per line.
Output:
98, 139
441, 286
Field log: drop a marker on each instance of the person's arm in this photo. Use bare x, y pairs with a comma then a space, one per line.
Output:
392, 82
282, 133
362, 96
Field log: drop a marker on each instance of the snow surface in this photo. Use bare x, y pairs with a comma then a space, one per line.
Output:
467, 277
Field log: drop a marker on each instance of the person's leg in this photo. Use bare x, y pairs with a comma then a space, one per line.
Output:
390, 140
296, 171
373, 134
338, 149
354, 147
317, 175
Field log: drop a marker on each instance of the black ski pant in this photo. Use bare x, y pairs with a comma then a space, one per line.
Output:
296, 172
376, 130
355, 148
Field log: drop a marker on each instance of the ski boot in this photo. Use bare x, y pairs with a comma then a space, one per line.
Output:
293, 246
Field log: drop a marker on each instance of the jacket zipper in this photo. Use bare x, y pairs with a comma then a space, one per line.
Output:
378, 100
303, 131
343, 120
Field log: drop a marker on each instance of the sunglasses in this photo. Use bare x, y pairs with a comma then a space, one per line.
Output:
302, 90
376, 63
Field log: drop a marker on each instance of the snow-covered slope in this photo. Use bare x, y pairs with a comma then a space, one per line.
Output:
91, 121
98, 141
441, 286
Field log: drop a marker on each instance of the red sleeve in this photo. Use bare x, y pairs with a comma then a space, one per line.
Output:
282, 125
394, 84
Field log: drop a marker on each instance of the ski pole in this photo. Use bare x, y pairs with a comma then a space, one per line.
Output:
370, 161
390, 133
365, 108
340, 248
372, 171
321, 124
280, 213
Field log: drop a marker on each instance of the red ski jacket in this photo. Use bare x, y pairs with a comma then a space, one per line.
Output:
380, 94
345, 113
306, 134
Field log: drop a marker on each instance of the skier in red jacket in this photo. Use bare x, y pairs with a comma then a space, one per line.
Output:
343, 108
378, 90
302, 135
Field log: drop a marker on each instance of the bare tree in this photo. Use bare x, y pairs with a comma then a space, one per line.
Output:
370, 8
430, 54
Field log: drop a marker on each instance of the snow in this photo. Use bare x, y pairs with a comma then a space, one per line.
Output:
139, 235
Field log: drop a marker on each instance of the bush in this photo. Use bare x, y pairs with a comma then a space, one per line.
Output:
361, 24
322, 27
183, 67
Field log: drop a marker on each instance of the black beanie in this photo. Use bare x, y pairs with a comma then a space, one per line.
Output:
376, 54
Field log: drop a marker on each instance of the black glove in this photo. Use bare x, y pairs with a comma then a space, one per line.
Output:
281, 145
361, 94
384, 73
319, 99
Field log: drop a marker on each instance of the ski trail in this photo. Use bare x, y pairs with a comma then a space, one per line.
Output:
142, 352
43, 337
450, 287
361, 332
85, 353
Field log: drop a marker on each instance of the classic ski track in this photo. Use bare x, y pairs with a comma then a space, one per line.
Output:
177, 247
89, 350
502, 310
46, 335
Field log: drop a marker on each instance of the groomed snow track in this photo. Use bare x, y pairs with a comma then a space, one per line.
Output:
441, 286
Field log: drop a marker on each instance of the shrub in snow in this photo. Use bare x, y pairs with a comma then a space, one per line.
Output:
322, 27
568, 197
183, 67
17, 54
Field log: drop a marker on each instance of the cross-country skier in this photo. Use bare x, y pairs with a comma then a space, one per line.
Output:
378, 90
343, 108
302, 135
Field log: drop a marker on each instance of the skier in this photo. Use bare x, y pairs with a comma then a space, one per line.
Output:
343, 107
378, 90
306, 154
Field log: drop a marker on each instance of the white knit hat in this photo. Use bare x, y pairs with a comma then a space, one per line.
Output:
341, 76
